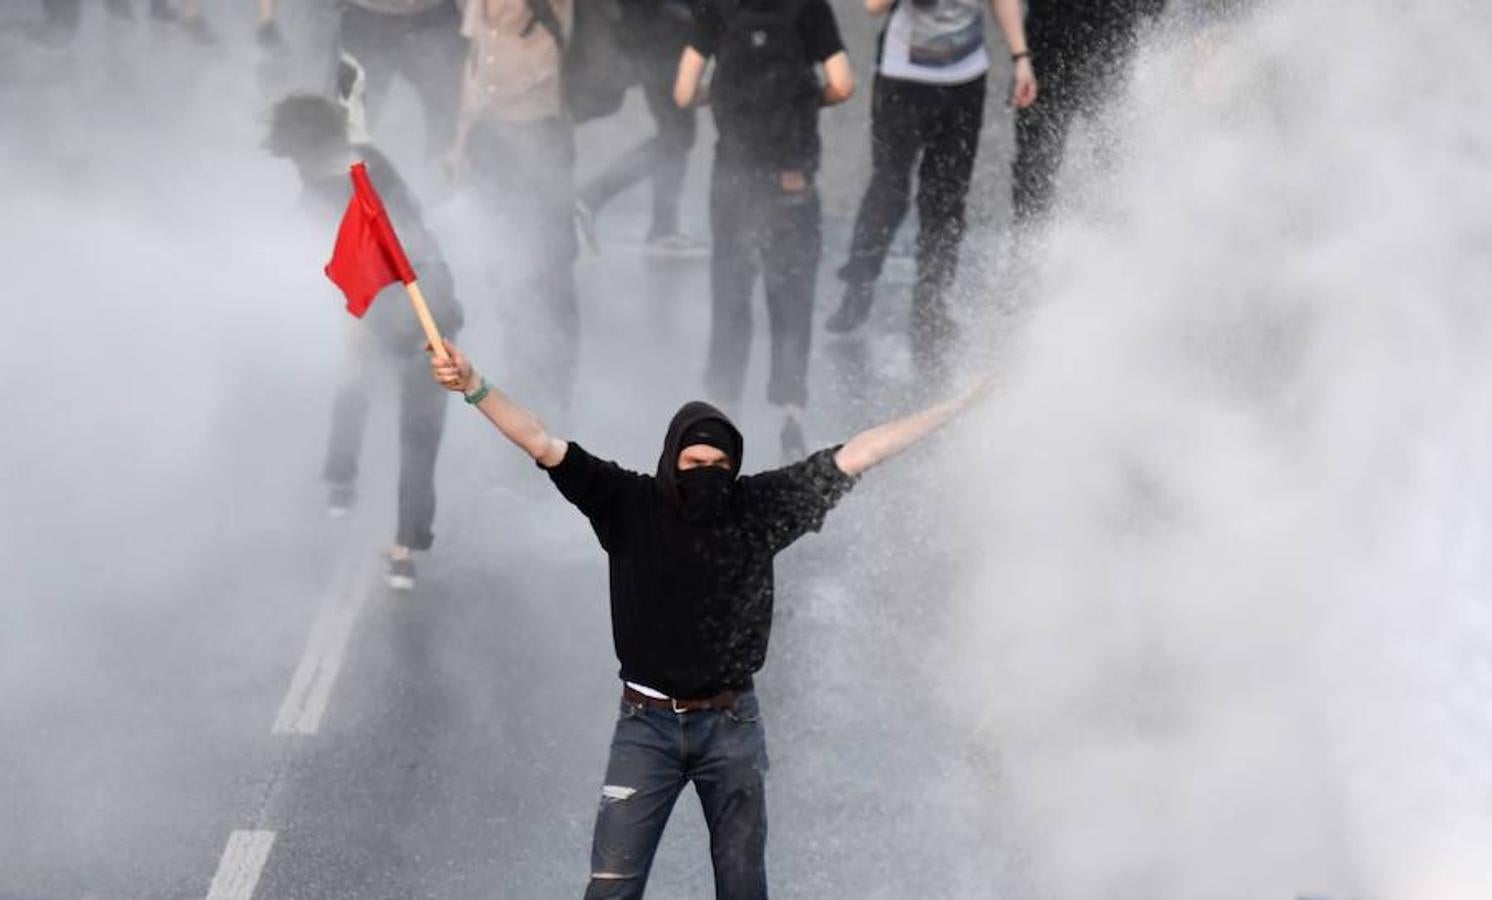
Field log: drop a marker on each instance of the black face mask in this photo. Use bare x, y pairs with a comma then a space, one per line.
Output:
703, 492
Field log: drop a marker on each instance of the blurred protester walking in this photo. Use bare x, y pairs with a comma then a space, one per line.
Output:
419, 40
691, 552
764, 205
516, 140
1080, 49
927, 109
653, 33
311, 132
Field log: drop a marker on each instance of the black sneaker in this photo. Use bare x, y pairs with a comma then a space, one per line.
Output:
794, 446
853, 310
401, 573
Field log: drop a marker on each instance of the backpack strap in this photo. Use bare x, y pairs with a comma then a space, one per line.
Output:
543, 15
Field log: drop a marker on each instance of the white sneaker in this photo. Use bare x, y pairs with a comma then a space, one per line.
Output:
676, 246
400, 575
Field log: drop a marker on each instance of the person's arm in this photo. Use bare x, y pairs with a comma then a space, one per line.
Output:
839, 79
874, 446
879, 7
1012, 24
691, 74
516, 423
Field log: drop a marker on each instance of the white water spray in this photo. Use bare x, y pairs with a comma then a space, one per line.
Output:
1234, 616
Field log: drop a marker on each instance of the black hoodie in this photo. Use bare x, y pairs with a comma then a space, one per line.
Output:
691, 603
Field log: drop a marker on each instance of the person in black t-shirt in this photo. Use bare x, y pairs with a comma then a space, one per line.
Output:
690, 550
766, 98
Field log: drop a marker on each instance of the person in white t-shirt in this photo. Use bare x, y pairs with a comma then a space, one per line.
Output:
926, 112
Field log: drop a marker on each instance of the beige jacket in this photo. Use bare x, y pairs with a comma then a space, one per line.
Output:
513, 72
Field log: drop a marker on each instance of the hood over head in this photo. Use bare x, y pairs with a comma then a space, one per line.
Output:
688, 419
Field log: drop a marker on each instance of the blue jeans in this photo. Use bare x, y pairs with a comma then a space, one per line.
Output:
654, 753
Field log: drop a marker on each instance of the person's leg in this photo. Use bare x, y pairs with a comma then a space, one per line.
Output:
951, 128
894, 143
729, 775
734, 229
422, 418
644, 776
349, 416
628, 169
790, 261
430, 57
676, 132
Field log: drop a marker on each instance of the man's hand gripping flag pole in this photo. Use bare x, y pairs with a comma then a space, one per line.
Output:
368, 257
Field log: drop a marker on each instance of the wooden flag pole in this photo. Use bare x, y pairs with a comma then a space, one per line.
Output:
427, 321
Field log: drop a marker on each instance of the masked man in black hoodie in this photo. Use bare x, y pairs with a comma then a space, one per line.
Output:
691, 551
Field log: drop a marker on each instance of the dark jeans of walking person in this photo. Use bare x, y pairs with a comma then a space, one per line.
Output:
933, 129
654, 754
662, 158
422, 415
760, 227
425, 47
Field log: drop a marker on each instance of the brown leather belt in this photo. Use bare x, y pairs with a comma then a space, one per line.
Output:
722, 700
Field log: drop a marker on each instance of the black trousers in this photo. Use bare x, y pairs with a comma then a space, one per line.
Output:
758, 226
422, 417
525, 173
426, 48
934, 128
1079, 64
662, 158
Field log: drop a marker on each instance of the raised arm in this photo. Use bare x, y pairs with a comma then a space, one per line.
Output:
874, 446
516, 423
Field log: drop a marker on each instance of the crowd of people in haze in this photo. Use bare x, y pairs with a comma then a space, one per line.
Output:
503, 85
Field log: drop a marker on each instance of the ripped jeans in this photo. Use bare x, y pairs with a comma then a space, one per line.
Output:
654, 753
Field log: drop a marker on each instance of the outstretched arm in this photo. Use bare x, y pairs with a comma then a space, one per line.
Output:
874, 446
516, 423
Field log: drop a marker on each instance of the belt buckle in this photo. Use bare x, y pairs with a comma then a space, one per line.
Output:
677, 710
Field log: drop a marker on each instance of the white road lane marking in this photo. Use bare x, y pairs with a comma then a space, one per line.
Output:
243, 860
311, 686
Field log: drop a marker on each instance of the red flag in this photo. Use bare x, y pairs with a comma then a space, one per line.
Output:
368, 256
